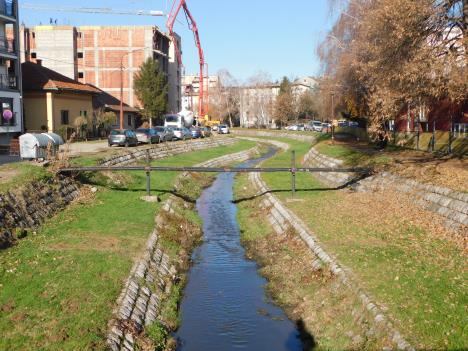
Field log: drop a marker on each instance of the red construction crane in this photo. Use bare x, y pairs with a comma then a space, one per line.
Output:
176, 7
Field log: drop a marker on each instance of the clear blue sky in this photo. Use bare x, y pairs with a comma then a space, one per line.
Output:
243, 36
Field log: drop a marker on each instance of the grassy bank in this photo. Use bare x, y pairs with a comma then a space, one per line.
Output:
401, 255
328, 317
58, 286
14, 175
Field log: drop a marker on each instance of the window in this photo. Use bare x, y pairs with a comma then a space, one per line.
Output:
64, 117
7, 111
33, 35
84, 113
80, 75
80, 55
129, 120
79, 34
33, 55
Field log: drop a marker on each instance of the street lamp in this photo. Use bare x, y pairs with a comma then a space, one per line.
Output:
121, 82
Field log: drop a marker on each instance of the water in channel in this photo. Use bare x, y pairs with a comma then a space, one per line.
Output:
225, 306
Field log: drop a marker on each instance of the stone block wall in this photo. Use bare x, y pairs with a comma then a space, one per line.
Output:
314, 159
26, 208
452, 205
163, 150
271, 134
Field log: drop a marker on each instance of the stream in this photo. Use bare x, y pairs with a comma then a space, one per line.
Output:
225, 306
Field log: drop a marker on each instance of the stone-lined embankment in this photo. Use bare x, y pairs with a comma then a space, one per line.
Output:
26, 208
315, 159
283, 220
152, 276
163, 150
265, 133
452, 205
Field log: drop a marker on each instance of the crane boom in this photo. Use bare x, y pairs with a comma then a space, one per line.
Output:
95, 10
177, 6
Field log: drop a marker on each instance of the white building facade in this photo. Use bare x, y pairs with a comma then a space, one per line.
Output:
257, 102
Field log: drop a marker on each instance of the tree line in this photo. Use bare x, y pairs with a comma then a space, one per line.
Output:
383, 58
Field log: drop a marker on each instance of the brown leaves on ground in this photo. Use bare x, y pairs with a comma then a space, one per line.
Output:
441, 170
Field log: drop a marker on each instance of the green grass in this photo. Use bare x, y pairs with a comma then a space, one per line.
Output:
58, 287
419, 277
14, 175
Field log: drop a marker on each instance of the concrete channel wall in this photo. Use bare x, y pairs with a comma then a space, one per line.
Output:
152, 276
27, 208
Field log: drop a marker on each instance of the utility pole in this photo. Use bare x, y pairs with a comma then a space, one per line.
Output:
333, 115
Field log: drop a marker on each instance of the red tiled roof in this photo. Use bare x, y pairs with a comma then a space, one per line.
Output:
37, 77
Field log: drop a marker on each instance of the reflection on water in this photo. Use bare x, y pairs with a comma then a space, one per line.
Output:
225, 306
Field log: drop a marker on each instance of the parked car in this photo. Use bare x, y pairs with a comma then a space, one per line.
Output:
317, 126
223, 129
163, 133
182, 133
296, 127
215, 128
123, 137
147, 136
206, 132
196, 132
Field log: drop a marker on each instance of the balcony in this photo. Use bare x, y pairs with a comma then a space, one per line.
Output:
7, 8
7, 46
8, 82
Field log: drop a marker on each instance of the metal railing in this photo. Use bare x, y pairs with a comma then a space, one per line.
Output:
7, 8
148, 169
8, 81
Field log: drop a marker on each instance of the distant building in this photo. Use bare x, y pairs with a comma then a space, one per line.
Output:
256, 102
53, 101
94, 55
11, 119
191, 90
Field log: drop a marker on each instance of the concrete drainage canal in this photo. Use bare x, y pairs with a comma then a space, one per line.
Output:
225, 306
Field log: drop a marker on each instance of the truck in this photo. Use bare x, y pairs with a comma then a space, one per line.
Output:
183, 119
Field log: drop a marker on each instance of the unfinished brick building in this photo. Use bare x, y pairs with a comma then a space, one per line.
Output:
94, 55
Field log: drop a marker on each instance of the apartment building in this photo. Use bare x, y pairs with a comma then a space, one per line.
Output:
256, 102
191, 90
105, 56
11, 121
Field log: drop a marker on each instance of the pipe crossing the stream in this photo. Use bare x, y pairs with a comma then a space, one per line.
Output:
148, 169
